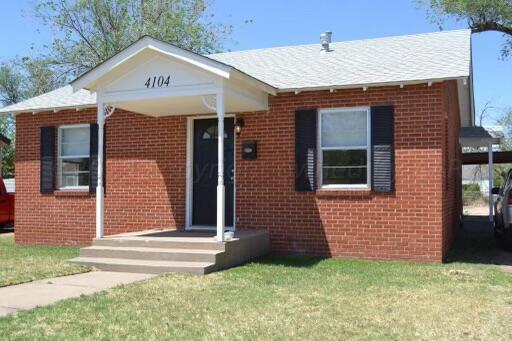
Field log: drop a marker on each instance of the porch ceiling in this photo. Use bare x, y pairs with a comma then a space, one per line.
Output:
191, 105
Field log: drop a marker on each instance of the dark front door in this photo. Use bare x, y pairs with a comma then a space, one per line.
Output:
204, 205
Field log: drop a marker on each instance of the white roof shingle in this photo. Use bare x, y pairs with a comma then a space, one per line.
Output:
62, 98
392, 60
429, 56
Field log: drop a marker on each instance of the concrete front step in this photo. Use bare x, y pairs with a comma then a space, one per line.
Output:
173, 251
144, 266
166, 243
151, 253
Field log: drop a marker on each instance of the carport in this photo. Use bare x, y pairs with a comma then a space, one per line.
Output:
484, 137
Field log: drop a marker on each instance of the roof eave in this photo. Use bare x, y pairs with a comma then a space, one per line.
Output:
47, 109
372, 85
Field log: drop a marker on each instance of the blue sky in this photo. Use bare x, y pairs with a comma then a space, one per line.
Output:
277, 23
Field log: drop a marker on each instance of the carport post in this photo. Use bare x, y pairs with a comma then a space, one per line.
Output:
99, 186
491, 175
220, 166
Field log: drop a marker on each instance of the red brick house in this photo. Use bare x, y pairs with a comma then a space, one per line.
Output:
345, 149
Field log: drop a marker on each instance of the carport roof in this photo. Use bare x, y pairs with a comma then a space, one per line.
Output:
480, 136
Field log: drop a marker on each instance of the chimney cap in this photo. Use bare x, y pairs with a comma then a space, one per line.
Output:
325, 40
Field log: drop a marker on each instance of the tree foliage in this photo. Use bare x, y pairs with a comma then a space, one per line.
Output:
22, 78
90, 31
87, 32
481, 16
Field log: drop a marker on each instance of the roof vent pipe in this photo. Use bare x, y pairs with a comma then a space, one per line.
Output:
325, 40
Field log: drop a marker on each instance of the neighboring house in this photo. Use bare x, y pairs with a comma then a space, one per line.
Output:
344, 149
4, 141
477, 174
10, 185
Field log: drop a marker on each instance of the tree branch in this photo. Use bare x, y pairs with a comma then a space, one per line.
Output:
477, 27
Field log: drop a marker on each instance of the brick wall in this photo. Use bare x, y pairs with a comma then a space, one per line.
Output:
146, 180
452, 165
406, 224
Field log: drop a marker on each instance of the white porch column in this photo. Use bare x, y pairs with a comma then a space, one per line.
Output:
491, 180
99, 187
220, 171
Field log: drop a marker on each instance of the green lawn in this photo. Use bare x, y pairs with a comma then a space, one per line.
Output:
20, 264
290, 298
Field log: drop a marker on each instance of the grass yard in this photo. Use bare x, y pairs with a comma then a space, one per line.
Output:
290, 298
20, 264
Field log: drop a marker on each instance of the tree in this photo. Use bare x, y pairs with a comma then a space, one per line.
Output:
481, 16
22, 78
91, 31
506, 122
87, 32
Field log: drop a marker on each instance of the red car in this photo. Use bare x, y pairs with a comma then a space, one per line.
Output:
6, 205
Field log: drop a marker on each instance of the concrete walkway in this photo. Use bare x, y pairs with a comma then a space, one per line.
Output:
44, 292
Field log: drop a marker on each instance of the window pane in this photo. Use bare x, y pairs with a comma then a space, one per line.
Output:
75, 165
80, 134
72, 149
74, 172
344, 167
344, 157
344, 176
75, 141
75, 180
344, 129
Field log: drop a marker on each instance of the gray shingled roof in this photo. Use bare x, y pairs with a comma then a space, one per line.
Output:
481, 136
393, 60
428, 56
62, 98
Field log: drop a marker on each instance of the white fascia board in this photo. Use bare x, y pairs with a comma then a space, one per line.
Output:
369, 85
48, 109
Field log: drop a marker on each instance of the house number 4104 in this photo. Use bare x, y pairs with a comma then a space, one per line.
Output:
158, 82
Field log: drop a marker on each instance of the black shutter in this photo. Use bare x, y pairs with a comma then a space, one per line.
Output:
47, 157
305, 150
383, 150
93, 158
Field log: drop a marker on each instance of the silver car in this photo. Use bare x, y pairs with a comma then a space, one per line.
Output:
503, 212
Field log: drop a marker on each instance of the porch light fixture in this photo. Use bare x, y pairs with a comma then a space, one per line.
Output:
239, 124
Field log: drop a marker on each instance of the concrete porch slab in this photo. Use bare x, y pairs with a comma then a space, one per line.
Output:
195, 252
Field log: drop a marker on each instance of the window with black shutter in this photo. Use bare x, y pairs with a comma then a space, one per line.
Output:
47, 159
344, 143
383, 151
93, 160
74, 156
305, 150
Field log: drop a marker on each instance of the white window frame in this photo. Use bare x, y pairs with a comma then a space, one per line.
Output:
367, 148
60, 157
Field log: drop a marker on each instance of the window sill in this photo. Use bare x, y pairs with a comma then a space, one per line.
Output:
72, 192
343, 192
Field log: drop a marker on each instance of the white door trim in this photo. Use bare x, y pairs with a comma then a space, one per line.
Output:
190, 176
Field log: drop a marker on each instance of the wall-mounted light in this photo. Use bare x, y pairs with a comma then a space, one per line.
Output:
239, 124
